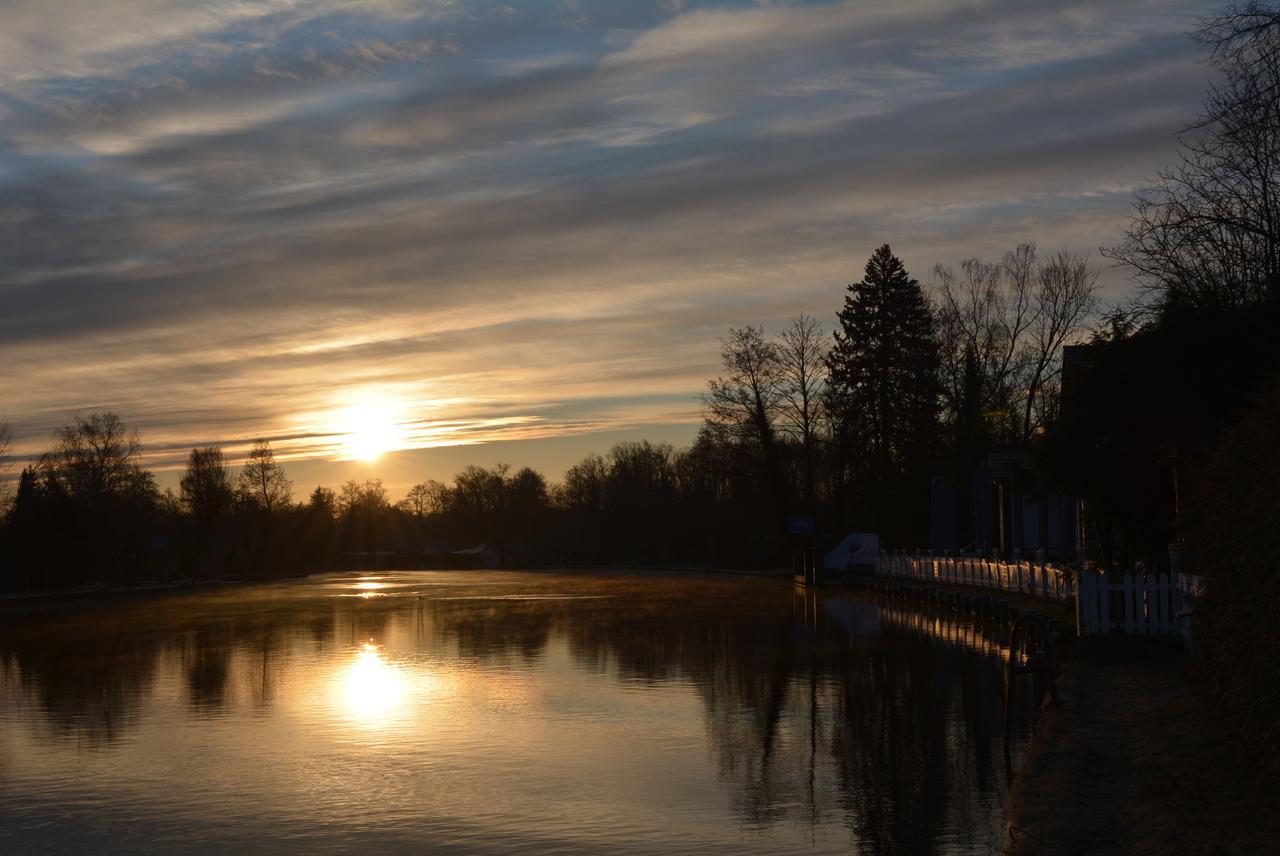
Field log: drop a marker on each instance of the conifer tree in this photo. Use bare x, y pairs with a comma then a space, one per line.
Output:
884, 396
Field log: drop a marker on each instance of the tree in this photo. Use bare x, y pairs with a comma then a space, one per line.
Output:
884, 391
263, 483
1001, 329
528, 491
6, 439
94, 458
367, 497
584, 485
527, 503
1206, 235
982, 315
205, 487
1065, 302
323, 501
802, 351
426, 498
107, 501
744, 400
743, 403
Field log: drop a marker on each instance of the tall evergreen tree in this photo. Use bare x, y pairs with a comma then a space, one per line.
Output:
884, 394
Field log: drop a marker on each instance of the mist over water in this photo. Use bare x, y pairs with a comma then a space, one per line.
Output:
499, 712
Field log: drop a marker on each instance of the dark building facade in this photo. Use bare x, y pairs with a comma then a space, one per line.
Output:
1007, 511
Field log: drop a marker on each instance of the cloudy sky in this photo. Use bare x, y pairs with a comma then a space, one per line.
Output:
516, 230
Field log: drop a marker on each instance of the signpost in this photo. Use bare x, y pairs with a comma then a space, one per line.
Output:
804, 567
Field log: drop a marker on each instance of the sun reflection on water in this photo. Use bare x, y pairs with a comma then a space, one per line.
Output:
374, 689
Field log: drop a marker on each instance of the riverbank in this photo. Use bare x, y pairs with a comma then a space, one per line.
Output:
1132, 761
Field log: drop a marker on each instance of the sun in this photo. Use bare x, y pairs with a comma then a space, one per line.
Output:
369, 430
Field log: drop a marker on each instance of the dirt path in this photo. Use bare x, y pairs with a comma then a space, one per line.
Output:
1132, 762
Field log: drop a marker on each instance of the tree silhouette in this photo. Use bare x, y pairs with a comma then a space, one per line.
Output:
983, 314
1065, 301
1206, 235
802, 350
6, 439
367, 496
107, 502
743, 403
263, 483
323, 501
884, 390
426, 498
1006, 324
205, 487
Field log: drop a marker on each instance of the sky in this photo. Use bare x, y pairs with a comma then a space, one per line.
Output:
485, 231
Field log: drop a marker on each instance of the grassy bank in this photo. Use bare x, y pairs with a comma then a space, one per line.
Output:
1133, 761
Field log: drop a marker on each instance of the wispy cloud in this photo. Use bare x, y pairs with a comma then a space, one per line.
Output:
521, 220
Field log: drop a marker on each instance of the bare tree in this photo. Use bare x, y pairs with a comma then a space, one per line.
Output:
425, 498
584, 484
95, 458
1065, 302
983, 314
802, 350
205, 487
743, 403
6, 440
93, 466
263, 482
367, 496
1206, 234
1002, 332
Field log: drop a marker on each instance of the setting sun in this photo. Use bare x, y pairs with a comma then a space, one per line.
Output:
370, 430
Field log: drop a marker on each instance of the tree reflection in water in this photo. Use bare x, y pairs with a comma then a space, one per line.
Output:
817, 709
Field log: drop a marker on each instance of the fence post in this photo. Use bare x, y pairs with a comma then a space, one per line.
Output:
1169, 603
1083, 615
1129, 591
1104, 602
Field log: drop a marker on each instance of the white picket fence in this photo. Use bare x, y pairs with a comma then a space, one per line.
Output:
1136, 604
1132, 604
1039, 579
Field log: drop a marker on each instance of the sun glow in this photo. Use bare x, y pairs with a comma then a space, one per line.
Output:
370, 429
374, 688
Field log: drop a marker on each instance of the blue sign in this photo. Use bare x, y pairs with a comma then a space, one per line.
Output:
800, 524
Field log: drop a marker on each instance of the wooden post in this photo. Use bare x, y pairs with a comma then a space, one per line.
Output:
1082, 625
1130, 592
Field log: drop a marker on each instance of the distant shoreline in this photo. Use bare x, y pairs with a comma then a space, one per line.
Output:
95, 592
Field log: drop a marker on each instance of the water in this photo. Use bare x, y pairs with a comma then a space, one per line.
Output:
499, 712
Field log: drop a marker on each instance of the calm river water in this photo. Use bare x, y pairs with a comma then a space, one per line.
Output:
498, 712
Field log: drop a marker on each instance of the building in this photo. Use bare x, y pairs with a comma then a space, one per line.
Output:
1007, 511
